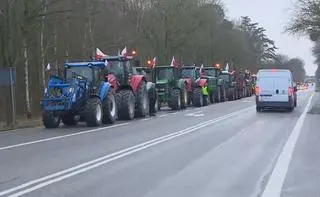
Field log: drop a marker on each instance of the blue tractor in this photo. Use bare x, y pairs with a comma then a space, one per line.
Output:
83, 94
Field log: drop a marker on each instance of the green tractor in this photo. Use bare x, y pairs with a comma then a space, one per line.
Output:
171, 87
151, 87
216, 84
229, 85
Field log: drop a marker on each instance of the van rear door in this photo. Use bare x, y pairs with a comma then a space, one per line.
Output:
273, 88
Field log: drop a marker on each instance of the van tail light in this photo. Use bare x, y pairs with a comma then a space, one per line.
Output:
290, 91
257, 90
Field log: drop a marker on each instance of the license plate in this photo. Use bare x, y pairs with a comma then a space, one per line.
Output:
265, 98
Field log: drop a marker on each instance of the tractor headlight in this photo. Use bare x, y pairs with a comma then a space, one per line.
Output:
71, 90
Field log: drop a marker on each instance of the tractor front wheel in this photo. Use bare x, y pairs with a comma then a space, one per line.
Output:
50, 120
184, 98
93, 112
197, 98
109, 109
175, 99
142, 100
127, 105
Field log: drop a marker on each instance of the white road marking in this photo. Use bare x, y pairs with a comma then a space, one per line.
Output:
145, 119
276, 180
173, 113
164, 115
61, 175
195, 114
61, 137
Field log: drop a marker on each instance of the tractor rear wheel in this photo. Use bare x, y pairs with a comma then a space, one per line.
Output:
109, 109
184, 98
69, 119
127, 105
218, 95
175, 99
224, 96
50, 120
197, 98
205, 100
93, 112
142, 100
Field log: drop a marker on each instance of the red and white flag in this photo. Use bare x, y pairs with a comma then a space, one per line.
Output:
174, 62
99, 54
124, 52
154, 62
201, 67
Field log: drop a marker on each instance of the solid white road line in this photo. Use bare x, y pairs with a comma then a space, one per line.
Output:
59, 176
277, 178
61, 136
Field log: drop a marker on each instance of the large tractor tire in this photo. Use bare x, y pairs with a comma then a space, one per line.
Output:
110, 111
218, 95
93, 112
197, 98
184, 98
49, 120
153, 102
153, 106
69, 119
142, 100
127, 105
223, 95
175, 99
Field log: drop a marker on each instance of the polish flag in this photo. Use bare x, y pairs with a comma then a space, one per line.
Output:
99, 54
124, 52
201, 67
154, 61
173, 62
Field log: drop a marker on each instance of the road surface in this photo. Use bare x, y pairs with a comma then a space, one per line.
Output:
226, 150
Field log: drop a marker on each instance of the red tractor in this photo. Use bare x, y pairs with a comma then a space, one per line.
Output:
130, 87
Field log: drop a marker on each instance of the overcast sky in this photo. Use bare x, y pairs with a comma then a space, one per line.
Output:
273, 15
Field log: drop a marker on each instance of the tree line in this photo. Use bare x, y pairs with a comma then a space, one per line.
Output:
34, 33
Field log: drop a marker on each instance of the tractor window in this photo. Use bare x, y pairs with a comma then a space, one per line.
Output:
79, 72
164, 73
209, 72
115, 67
225, 78
186, 73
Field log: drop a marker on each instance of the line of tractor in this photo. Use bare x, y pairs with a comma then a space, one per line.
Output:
111, 88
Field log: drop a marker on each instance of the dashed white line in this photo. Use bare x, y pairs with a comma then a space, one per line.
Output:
277, 178
164, 115
62, 136
145, 119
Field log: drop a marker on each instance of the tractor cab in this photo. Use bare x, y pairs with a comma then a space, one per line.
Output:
190, 72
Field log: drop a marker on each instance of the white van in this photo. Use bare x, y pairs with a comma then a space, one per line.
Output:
275, 89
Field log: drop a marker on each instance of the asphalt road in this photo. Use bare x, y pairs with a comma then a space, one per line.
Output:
225, 150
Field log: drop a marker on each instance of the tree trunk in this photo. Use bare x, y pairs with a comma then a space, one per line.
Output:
26, 76
42, 48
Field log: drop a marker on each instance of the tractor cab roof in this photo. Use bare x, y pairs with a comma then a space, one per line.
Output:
189, 67
117, 58
84, 64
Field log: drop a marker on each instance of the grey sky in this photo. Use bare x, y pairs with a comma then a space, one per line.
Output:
273, 15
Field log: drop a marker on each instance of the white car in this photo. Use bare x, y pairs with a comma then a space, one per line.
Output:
275, 89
